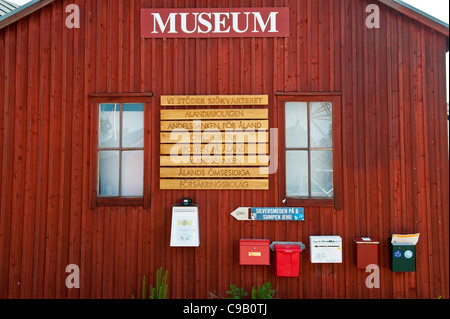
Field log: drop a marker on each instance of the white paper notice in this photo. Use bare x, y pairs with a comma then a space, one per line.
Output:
405, 239
185, 230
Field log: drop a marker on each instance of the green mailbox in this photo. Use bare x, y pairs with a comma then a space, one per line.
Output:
402, 253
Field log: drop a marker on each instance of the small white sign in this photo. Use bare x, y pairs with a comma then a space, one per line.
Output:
241, 213
184, 232
325, 249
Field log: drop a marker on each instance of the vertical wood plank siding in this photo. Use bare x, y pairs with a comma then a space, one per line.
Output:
394, 150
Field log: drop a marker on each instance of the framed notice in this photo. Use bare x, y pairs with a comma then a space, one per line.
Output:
184, 232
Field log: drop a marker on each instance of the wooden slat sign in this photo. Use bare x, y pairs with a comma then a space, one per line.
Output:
202, 160
224, 184
214, 149
234, 114
215, 100
219, 125
214, 137
211, 148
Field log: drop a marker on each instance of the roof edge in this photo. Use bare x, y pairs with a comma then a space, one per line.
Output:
429, 16
418, 15
6, 7
22, 12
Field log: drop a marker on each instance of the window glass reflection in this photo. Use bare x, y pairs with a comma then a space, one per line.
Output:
108, 180
133, 125
321, 124
322, 174
296, 125
132, 173
109, 125
297, 173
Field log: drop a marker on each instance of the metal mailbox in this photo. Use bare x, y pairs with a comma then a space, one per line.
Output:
254, 252
402, 252
366, 252
325, 249
402, 257
287, 260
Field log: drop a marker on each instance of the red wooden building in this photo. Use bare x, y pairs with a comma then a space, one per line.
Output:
362, 143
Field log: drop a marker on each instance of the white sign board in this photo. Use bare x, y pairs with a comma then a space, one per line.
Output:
184, 231
325, 249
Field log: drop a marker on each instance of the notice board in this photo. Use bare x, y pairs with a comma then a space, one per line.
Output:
214, 148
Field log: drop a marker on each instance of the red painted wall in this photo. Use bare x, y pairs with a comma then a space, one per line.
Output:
394, 150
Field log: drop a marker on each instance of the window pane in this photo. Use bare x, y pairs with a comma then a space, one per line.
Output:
321, 124
297, 173
133, 125
108, 180
296, 125
133, 173
109, 125
322, 174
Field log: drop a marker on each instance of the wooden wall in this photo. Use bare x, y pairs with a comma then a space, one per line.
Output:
394, 146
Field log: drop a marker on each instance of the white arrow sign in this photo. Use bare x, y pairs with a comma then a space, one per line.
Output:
241, 213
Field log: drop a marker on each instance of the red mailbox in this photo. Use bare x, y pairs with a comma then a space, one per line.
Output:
366, 252
254, 252
288, 260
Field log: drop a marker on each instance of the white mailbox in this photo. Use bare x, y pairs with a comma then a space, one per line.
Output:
184, 232
325, 249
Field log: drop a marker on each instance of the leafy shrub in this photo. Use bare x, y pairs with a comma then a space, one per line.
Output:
260, 292
264, 292
236, 293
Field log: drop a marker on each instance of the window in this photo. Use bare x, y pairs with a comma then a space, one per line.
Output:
310, 146
120, 151
309, 149
120, 161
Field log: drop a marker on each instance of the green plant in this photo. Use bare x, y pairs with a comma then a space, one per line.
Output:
143, 287
161, 287
264, 292
236, 293
160, 290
